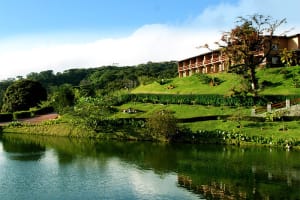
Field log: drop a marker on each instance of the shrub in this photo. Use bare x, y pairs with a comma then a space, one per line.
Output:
162, 125
205, 99
22, 114
41, 111
15, 124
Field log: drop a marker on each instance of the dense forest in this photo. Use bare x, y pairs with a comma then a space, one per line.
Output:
95, 81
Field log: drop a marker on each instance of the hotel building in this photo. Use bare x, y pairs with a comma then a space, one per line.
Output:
216, 61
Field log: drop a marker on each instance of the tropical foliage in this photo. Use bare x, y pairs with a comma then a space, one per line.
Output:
92, 112
62, 98
97, 81
288, 57
22, 95
162, 125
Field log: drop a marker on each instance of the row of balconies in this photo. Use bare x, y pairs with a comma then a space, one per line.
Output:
203, 63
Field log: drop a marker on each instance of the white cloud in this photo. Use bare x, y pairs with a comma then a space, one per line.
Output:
148, 43
155, 42
224, 15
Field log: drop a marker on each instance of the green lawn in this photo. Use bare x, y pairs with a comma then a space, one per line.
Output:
281, 81
192, 85
180, 111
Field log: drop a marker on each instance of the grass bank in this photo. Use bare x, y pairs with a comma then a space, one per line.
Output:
230, 131
59, 129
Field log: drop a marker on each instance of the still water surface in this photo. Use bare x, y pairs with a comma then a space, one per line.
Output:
34, 167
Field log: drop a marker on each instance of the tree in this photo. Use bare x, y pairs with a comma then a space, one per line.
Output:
93, 113
63, 97
3, 86
243, 45
162, 125
22, 95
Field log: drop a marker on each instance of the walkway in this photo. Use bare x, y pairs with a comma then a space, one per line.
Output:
36, 119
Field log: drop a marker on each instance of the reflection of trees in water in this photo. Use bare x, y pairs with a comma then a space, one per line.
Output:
214, 171
22, 149
264, 184
212, 190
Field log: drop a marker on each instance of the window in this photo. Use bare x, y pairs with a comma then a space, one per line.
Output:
274, 47
275, 60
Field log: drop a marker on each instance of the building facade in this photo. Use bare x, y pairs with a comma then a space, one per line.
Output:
215, 61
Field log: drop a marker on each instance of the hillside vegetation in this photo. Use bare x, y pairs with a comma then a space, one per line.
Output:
279, 81
117, 103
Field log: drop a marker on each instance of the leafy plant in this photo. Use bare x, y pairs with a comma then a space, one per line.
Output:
15, 124
22, 95
93, 112
288, 57
62, 98
161, 125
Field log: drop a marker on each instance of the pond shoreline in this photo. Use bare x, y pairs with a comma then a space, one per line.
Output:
63, 129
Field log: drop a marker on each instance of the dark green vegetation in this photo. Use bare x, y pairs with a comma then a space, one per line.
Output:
22, 95
198, 109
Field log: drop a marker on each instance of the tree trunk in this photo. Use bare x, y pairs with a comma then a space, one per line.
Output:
254, 81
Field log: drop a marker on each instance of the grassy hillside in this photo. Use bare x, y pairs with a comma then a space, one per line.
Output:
180, 111
191, 85
283, 81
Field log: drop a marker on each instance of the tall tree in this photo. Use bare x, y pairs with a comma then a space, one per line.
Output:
62, 97
249, 44
22, 95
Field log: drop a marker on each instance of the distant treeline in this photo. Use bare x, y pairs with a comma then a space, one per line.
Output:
100, 80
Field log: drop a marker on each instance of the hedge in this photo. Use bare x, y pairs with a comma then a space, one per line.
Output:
41, 111
22, 114
205, 99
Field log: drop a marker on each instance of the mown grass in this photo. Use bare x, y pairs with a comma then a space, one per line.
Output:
279, 81
180, 111
192, 85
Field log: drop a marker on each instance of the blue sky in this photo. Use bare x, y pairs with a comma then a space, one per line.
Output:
18, 17
37, 35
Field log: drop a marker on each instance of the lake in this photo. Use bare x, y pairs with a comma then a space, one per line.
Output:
34, 167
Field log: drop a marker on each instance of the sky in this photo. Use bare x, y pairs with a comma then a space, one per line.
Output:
39, 35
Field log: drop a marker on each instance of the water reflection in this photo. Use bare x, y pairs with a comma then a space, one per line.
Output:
213, 172
22, 150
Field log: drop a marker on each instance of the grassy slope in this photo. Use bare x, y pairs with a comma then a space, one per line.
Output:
191, 85
277, 81
281, 79
281, 82
180, 111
